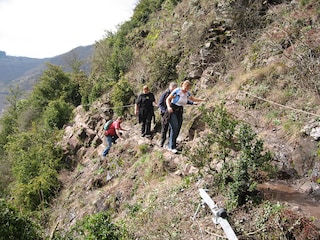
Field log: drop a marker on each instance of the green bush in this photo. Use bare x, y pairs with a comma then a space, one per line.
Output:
245, 163
57, 113
35, 162
96, 227
121, 95
144, 9
13, 226
55, 84
248, 15
113, 57
162, 69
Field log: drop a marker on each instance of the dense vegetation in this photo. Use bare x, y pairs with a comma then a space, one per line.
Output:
32, 125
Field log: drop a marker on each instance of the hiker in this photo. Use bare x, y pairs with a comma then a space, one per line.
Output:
165, 116
175, 102
112, 134
145, 111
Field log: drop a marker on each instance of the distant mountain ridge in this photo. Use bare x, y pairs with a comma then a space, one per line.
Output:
25, 71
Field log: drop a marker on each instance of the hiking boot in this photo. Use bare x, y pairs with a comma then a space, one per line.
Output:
174, 151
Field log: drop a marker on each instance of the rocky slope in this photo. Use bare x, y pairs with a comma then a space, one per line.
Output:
156, 193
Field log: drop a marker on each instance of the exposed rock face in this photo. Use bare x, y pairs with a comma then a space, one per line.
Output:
312, 129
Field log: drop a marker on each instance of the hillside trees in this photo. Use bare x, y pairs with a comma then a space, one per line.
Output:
55, 84
112, 58
121, 95
35, 160
144, 9
9, 120
30, 131
53, 97
114, 54
163, 69
15, 226
8, 124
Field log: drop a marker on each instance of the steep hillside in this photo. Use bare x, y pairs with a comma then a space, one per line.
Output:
260, 60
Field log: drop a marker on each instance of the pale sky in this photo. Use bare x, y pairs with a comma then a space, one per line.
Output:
47, 28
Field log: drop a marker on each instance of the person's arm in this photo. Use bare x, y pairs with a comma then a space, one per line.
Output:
194, 99
162, 104
168, 102
136, 105
117, 129
190, 102
154, 103
136, 109
118, 132
122, 129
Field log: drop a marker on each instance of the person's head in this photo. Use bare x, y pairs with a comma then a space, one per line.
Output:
186, 85
172, 86
145, 89
120, 119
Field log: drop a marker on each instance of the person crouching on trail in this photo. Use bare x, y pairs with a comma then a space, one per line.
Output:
144, 108
175, 102
112, 134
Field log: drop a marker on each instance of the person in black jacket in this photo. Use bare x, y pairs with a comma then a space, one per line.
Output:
144, 108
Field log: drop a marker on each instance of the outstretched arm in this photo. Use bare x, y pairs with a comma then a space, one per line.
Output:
194, 99
118, 132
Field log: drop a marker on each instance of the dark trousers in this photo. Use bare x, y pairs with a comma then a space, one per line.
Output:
164, 130
146, 123
175, 124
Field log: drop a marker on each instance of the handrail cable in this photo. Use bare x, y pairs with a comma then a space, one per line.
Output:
278, 104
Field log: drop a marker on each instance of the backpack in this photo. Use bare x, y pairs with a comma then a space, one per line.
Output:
107, 124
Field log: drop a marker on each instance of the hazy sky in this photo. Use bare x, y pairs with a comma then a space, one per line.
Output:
46, 28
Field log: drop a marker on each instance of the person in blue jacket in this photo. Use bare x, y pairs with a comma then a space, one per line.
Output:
175, 102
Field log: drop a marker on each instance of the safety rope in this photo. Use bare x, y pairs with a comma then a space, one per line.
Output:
131, 105
280, 105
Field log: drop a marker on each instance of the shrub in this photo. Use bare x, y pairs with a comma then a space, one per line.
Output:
14, 226
113, 56
57, 113
144, 9
162, 69
35, 161
121, 95
97, 226
54, 84
243, 156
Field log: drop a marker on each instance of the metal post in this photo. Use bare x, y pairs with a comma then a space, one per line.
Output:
219, 215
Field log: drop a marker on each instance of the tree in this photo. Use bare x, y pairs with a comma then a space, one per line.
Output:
53, 85
35, 161
121, 95
14, 226
57, 113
